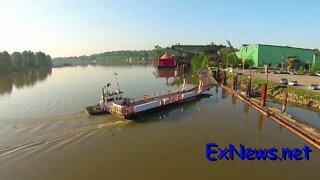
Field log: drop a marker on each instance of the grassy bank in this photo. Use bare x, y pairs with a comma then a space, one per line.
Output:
296, 95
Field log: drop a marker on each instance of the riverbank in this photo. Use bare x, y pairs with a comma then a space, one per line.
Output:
296, 96
25, 70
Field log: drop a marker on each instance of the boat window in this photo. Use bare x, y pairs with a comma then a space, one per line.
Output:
111, 99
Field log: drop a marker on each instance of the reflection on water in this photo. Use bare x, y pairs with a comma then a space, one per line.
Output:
224, 94
24, 79
233, 100
280, 128
167, 73
53, 138
260, 121
245, 112
175, 77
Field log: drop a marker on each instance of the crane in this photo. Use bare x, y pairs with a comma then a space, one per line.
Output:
229, 44
232, 49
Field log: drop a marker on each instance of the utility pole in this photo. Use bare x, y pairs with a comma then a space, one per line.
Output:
227, 61
242, 62
267, 74
243, 65
309, 64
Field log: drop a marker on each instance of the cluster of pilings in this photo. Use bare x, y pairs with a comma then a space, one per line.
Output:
302, 129
222, 78
182, 68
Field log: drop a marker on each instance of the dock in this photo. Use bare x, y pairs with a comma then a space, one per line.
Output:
304, 130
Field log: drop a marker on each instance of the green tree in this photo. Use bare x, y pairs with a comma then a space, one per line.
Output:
229, 58
157, 52
248, 63
199, 62
17, 61
49, 60
5, 62
314, 68
42, 60
30, 59
301, 70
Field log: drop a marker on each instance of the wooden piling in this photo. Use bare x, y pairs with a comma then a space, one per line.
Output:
263, 94
284, 103
235, 83
223, 78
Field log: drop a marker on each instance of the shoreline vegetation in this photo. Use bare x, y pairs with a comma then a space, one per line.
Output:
23, 62
113, 57
198, 56
181, 52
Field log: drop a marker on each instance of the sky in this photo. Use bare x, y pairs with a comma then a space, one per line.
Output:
77, 27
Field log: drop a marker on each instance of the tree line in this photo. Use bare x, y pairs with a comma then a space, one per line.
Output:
112, 57
18, 61
201, 55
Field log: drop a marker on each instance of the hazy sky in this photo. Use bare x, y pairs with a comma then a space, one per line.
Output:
78, 27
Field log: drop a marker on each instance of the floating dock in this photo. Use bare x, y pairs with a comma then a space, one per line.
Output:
302, 129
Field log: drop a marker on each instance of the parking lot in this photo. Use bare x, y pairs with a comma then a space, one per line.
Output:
303, 80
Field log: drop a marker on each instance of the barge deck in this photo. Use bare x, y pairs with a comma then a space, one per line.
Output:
113, 102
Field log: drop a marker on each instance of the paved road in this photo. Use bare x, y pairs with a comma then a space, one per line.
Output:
303, 80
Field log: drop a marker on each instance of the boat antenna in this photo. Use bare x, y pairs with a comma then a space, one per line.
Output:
118, 87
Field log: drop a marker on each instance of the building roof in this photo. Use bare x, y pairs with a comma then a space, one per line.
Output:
244, 45
166, 56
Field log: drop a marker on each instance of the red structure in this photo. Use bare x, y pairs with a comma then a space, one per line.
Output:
167, 73
166, 61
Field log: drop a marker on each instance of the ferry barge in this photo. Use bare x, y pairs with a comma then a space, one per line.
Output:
113, 101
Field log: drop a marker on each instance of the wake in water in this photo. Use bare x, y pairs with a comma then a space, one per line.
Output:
34, 133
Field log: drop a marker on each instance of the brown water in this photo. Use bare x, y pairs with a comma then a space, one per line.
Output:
46, 134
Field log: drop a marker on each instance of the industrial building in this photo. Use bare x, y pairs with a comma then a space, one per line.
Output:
277, 56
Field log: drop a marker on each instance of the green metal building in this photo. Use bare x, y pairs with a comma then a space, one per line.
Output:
274, 56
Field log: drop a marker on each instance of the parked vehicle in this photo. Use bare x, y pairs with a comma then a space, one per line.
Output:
318, 73
283, 81
238, 73
294, 73
293, 83
308, 74
314, 87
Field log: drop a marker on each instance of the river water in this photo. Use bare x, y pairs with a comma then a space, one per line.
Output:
45, 132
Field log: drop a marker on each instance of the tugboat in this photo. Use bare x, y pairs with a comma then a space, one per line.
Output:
114, 103
108, 98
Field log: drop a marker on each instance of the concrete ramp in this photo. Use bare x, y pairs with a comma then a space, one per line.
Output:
206, 76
